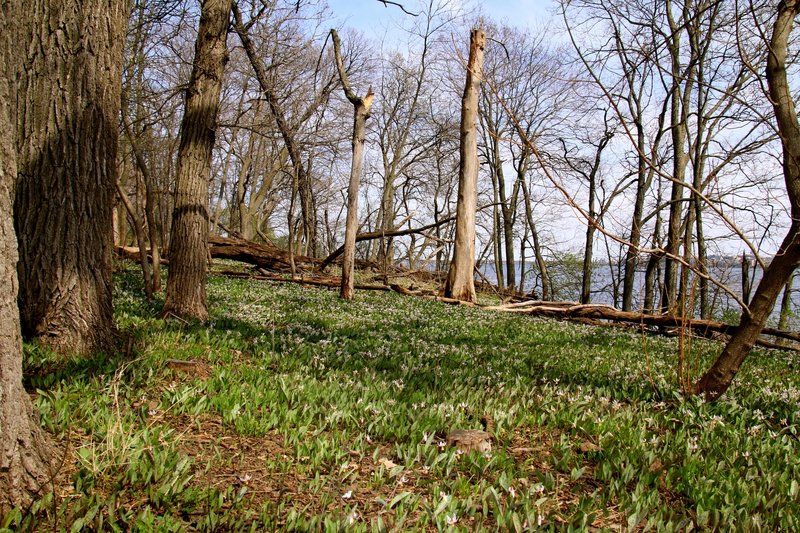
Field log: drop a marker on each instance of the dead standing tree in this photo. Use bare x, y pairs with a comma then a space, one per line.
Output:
460, 282
361, 110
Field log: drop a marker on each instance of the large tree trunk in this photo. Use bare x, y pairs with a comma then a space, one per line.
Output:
361, 110
188, 250
24, 451
719, 377
68, 109
460, 282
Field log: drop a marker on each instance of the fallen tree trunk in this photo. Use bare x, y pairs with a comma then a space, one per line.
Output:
259, 255
131, 253
572, 310
274, 259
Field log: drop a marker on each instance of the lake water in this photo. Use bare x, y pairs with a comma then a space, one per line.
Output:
566, 282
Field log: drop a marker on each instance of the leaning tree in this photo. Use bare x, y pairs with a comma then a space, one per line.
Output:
718, 378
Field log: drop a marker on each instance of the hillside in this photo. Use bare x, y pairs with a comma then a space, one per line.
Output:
291, 409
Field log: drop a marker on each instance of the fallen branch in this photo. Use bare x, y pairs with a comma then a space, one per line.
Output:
132, 254
274, 259
377, 235
371, 235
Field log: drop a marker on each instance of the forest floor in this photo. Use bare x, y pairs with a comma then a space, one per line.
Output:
293, 410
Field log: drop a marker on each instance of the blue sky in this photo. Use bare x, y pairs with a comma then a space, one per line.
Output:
374, 19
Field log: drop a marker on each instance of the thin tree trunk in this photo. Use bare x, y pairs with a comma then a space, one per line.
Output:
721, 374
679, 94
227, 164
68, 108
591, 226
188, 251
508, 211
460, 283
632, 252
747, 284
152, 229
308, 204
361, 110
497, 240
786, 304
537, 247
149, 209
140, 239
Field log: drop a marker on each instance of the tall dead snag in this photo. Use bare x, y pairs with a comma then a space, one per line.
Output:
188, 250
719, 377
24, 452
361, 110
460, 283
67, 111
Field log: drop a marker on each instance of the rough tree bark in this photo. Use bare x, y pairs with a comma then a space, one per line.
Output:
24, 450
67, 112
188, 250
719, 377
361, 110
460, 282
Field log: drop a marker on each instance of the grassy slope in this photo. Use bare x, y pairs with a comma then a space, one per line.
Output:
311, 413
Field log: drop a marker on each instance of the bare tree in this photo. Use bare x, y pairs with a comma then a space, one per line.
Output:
361, 110
404, 93
460, 282
188, 252
274, 90
718, 378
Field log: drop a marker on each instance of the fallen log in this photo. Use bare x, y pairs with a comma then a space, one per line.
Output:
132, 254
595, 312
259, 255
271, 258
266, 256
